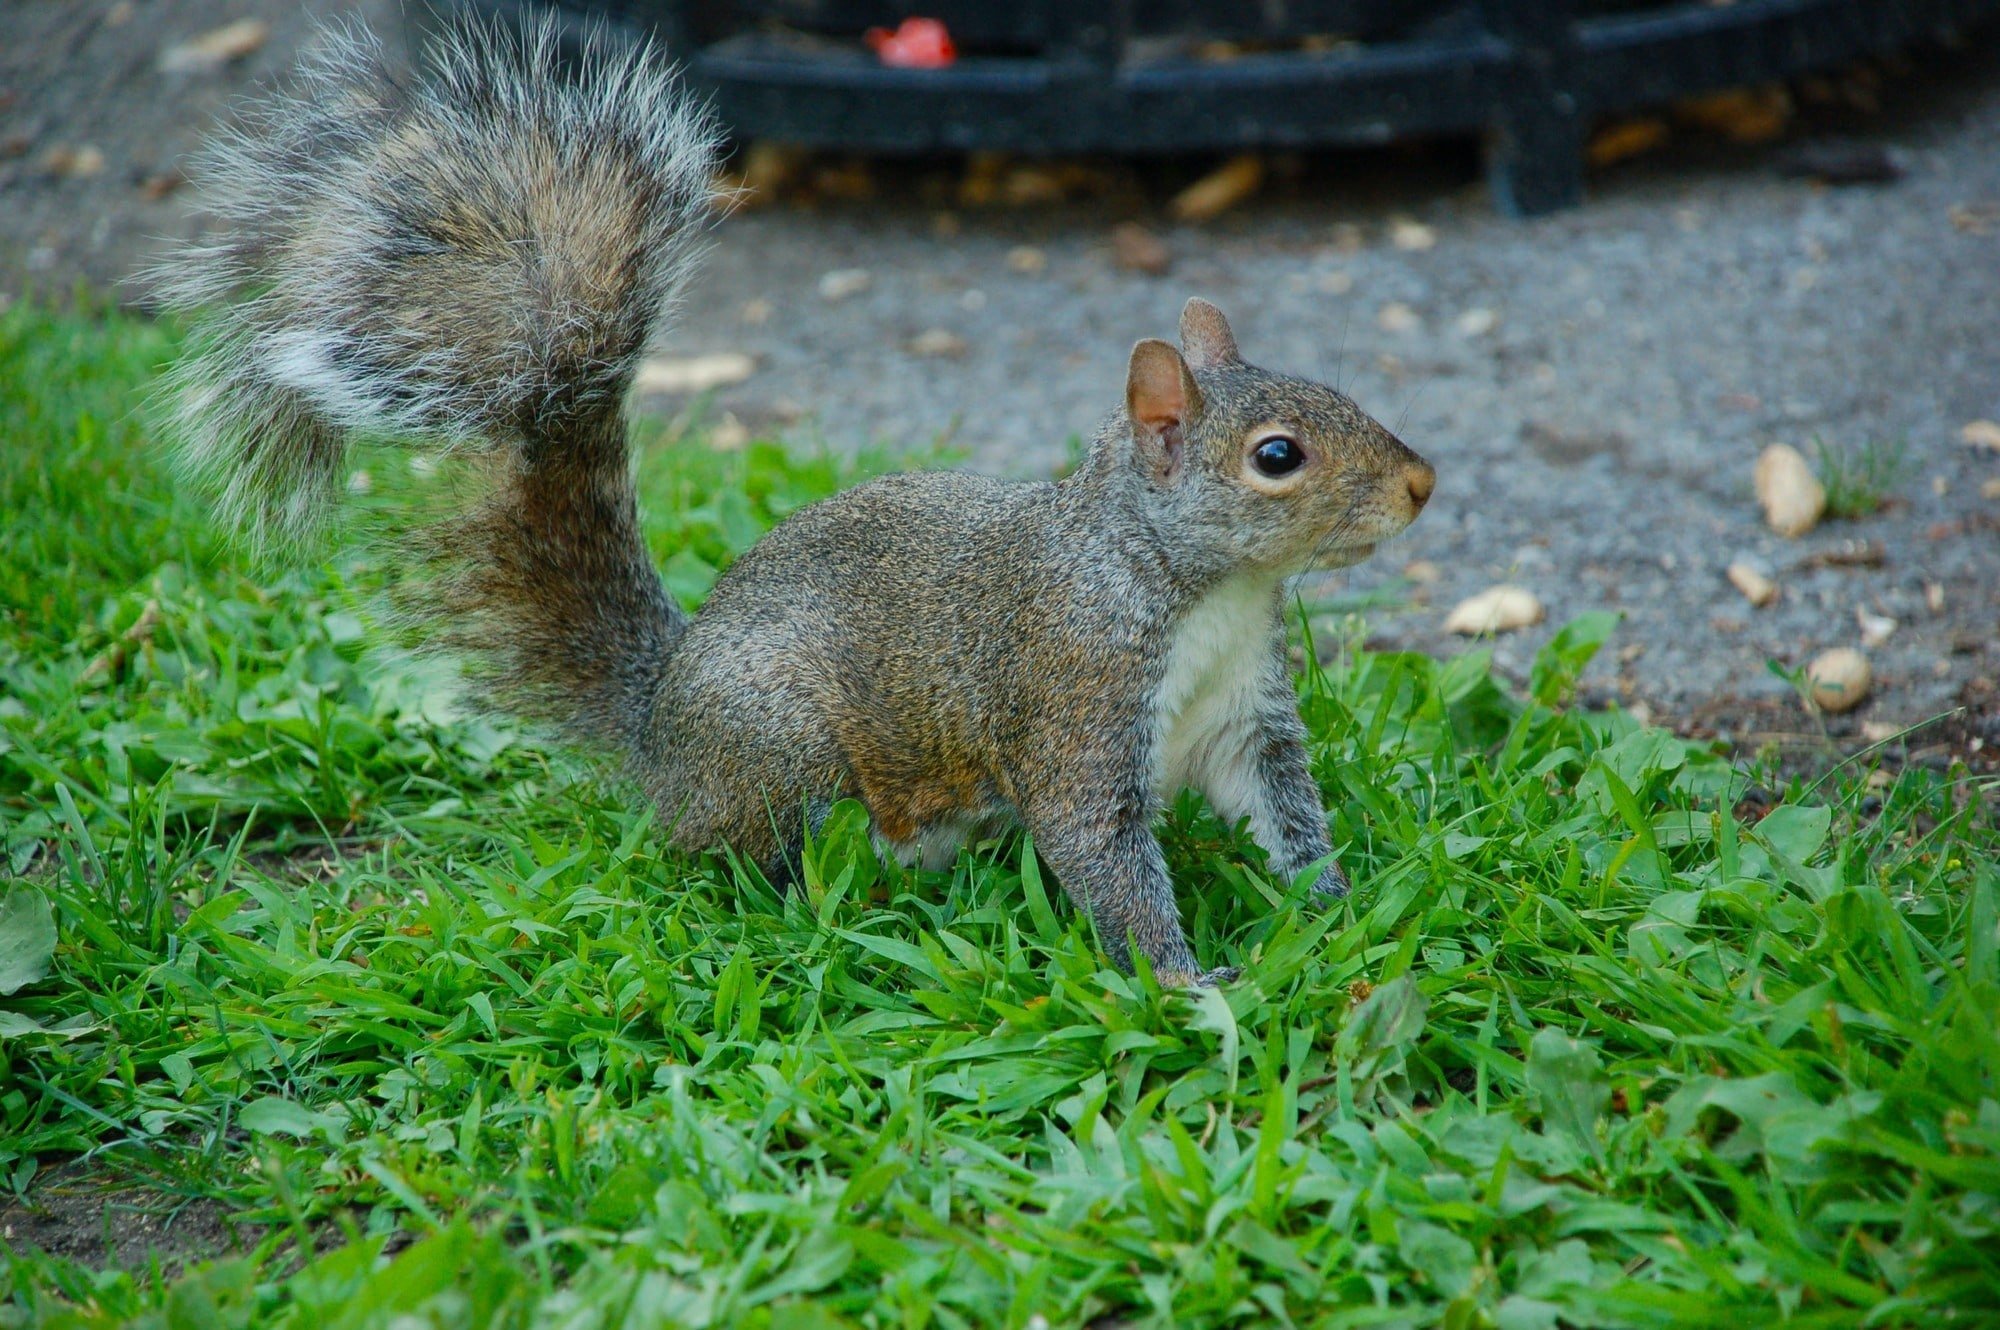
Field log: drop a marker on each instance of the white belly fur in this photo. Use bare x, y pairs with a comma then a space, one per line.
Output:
1205, 710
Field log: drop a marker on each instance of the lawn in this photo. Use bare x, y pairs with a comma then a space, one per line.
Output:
445, 1033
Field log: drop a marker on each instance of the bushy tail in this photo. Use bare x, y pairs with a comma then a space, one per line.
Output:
470, 259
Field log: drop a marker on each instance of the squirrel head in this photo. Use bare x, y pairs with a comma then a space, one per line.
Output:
1242, 468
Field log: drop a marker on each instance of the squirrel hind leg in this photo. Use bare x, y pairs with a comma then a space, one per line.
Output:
730, 761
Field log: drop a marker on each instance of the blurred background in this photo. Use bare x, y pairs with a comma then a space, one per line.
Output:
1592, 259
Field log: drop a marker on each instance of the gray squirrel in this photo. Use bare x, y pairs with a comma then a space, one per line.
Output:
473, 259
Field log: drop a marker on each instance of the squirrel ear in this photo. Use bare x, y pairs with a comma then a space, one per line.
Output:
1205, 337
1160, 398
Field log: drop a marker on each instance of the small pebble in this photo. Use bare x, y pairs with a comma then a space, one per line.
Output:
1875, 628
1792, 497
937, 342
693, 374
1758, 589
1397, 317
1407, 233
1838, 680
844, 283
1477, 322
215, 48
1220, 190
1981, 434
1496, 610
1027, 260
73, 163
1029, 185
1742, 115
1625, 139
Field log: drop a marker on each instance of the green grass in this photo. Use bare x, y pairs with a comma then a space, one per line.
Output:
1858, 480
1585, 1049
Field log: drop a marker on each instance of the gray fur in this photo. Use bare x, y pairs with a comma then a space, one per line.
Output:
464, 259
475, 260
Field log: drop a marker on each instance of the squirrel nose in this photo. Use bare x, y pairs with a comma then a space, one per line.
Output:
1422, 479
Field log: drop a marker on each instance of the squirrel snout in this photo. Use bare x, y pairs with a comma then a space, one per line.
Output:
1422, 478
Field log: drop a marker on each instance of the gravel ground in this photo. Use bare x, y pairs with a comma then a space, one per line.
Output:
1595, 444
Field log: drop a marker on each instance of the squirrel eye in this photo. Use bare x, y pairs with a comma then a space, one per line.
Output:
1278, 456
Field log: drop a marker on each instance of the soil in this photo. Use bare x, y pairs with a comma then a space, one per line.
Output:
100, 1219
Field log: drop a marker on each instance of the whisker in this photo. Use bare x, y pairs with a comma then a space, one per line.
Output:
1340, 355
1332, 539
1408, 407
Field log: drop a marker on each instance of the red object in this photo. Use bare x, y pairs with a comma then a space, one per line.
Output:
917, 43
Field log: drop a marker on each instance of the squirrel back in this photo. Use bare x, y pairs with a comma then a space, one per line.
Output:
469, 260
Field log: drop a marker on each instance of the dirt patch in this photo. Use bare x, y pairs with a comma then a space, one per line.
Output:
1966, 738
99, 1219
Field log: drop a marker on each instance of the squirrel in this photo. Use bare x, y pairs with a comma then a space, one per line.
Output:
473, 258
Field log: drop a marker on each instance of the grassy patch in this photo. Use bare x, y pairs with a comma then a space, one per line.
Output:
453, 1034
1858, 480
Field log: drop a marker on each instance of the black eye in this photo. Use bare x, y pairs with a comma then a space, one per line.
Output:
1278, 456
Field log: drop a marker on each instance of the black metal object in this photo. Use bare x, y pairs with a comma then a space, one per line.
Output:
1056, 76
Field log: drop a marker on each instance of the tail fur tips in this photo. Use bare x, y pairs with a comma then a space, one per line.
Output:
473, 257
